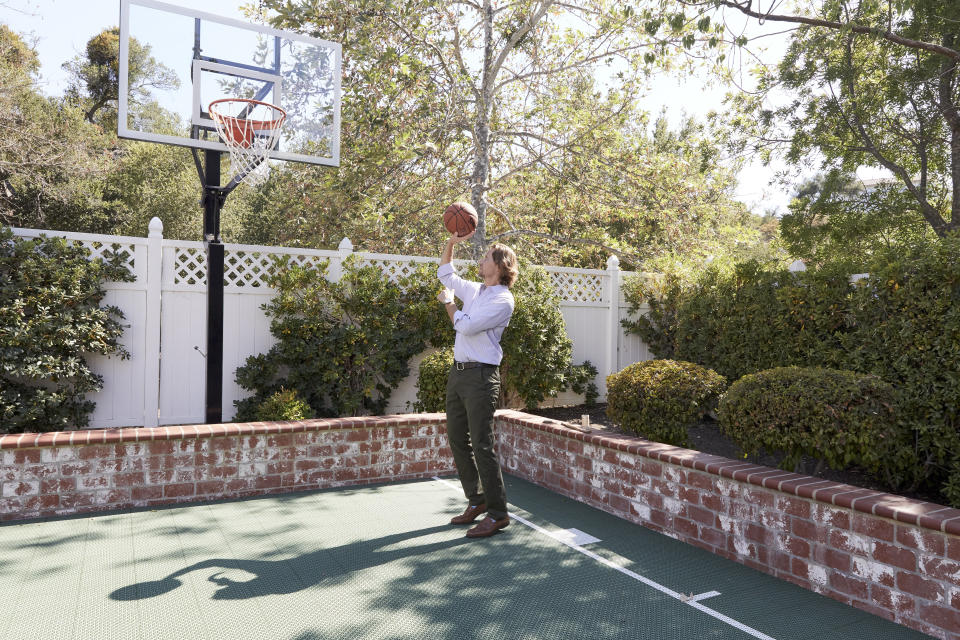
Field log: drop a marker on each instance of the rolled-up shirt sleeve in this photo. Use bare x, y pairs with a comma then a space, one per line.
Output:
461, 288
491, 314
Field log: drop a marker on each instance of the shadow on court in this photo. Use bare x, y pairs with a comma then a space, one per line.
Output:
273, 577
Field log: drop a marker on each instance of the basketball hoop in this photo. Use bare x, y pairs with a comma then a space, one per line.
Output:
250, 129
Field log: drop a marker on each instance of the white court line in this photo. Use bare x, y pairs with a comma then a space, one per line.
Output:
692, 601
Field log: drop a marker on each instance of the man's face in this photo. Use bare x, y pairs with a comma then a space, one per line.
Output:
487, 268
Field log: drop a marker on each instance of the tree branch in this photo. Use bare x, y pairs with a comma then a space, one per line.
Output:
744, 8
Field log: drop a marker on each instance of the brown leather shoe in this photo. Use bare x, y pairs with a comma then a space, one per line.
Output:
488, 527
473, 512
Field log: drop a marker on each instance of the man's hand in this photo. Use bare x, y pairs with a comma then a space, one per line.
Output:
456, 239
445, 296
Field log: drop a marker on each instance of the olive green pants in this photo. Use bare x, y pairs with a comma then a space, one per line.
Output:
472, 396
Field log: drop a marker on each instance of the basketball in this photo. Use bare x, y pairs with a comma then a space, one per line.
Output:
460, 218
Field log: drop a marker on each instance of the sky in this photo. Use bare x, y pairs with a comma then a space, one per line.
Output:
60, 30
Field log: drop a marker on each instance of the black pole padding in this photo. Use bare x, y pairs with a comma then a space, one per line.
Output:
214, 395
213, 198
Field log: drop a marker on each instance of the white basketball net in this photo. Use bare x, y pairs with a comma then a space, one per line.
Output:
250, 129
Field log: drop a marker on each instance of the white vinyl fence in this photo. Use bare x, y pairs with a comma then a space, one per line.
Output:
163, 381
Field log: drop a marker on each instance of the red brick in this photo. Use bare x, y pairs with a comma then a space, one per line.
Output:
94, 452
953, 548
808, 530
795, 546
941, 569
713, 537
75, 468
800, 568
900, 604
760, 498
917, 538
703, 516
49, 502
794, 507
895, 556
650, 468
179, 490
211, 488
146, 493
942, 617
686, 528
160, 447
873, 527
919, 586
755, 532
832, 558
93, 482
58, 485
26, 456
849, 585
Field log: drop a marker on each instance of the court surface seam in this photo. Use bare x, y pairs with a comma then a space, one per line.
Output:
692, 601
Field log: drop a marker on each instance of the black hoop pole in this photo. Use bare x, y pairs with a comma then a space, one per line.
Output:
213, 198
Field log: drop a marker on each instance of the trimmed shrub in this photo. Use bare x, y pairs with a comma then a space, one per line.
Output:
51, 319
432, 382
285, 404
660, 399
839, 417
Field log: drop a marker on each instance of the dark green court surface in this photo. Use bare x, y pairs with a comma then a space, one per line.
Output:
382, 562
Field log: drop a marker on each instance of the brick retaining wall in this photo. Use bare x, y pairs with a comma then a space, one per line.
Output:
891, 556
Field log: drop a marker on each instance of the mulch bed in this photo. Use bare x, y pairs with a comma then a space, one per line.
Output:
706, 438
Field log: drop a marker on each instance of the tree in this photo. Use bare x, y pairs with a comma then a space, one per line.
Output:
96, 76
50, 158
872, 82
515, 106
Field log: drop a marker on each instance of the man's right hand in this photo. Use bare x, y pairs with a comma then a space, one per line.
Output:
455, 239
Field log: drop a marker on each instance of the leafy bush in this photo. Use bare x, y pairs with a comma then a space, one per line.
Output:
285, 404
902, 324
660, 399
536, 348
839, 417
581, 378
340, 345
50, 319
432, 382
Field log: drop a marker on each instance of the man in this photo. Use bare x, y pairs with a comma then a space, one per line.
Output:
473, 386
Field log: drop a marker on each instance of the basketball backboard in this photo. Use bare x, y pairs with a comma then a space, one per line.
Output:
203, 57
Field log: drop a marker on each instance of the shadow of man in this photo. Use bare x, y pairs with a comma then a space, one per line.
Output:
278, 577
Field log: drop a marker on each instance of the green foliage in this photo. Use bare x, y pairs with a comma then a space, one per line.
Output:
432, 382
284, 404
536, 349
582, 377
840, 417
660, 399
50, 319
902, 324
342, 346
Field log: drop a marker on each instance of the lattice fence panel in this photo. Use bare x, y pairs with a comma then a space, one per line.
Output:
393, 269
103, 250
578, 287
189, 266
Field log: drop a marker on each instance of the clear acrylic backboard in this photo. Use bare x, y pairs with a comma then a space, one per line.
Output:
175, 61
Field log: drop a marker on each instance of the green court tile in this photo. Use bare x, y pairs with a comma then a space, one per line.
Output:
382, 562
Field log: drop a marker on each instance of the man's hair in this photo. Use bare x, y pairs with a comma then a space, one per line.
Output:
506, 260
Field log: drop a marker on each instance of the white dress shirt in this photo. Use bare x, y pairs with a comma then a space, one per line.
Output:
480, 323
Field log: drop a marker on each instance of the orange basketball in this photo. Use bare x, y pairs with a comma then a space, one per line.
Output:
460, 218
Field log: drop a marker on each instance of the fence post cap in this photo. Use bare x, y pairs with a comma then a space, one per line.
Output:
613, 262
345, 245
156, 226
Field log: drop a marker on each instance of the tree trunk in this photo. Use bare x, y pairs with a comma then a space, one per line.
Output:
481, 167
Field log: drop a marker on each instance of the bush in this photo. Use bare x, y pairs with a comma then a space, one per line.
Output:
50, 319
432, 382
339, 344
660, 399
902, 324
839, 417
285, 404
